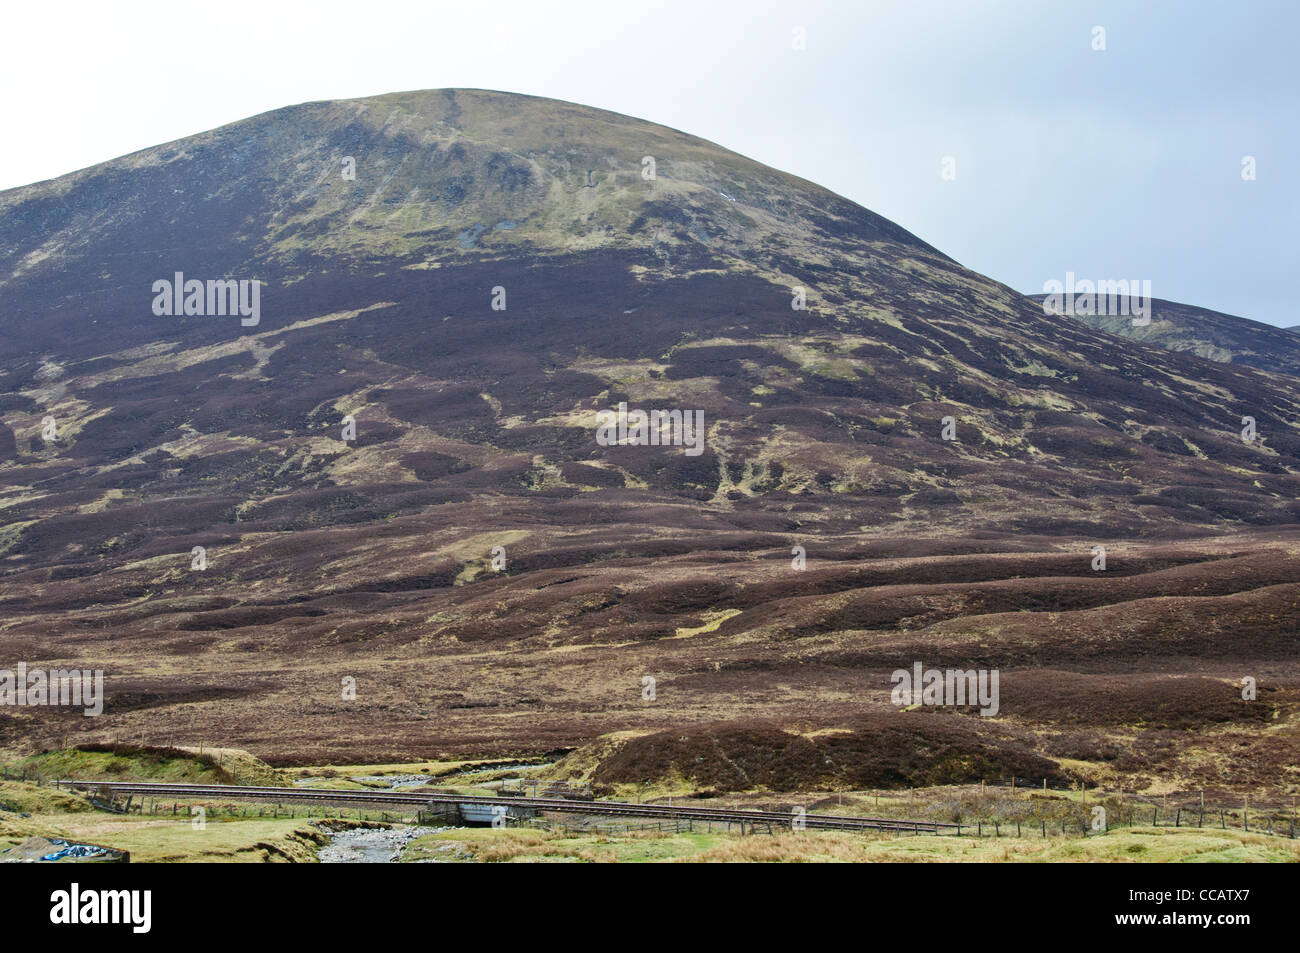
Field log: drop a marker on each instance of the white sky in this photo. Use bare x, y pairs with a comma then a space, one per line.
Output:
1115, 164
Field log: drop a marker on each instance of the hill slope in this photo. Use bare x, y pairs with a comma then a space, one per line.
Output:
1209, 334
475, 429
377, 302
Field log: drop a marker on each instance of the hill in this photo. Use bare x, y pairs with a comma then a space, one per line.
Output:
1210, 334
471, 279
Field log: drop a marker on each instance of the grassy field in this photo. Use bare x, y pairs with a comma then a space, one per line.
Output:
146, 763
473, 776
151, 838
175, 840
433, 769
1146, 845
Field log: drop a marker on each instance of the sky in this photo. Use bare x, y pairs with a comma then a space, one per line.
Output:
1122, 162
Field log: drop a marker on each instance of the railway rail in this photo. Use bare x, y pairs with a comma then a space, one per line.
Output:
811, 821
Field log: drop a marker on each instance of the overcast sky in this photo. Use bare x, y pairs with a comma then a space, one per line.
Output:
1122, 163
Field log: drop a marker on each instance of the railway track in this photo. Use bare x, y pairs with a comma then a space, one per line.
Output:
599, 808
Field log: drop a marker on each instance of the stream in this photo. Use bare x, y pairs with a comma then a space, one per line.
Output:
370, 846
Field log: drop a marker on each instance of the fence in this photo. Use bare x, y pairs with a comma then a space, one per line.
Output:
531, 788
676, 825
1042, 784
151, 807
24, 775
1120, 809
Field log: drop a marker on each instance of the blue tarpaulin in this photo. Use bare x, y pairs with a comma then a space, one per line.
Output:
73, 850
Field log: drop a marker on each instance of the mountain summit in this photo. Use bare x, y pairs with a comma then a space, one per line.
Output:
426, 176
631, 263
